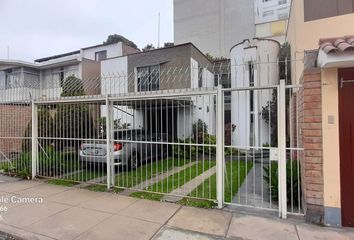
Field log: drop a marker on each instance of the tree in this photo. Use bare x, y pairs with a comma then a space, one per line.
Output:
72, 121
148, 47
115, 38
45, 129
72, 86
270, 116
169, 44
285, 62
199, 129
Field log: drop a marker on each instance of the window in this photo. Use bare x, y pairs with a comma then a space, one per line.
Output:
12, 79
148, 78
282, 2
328, 8
58, 76
200, 77
268, 13
101, 55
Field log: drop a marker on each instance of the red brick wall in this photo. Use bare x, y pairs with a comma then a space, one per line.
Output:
310, 124
14, 120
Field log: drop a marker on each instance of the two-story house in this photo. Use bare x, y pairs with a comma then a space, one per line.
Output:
161, 70
20, 82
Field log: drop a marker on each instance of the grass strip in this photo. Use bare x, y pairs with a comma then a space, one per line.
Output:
62, 182
236, 172
102, 188
200, 203
83, 176
180, 178
147, 171
147, 195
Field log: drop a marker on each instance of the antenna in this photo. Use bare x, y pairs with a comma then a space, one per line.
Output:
158, 32
8, 52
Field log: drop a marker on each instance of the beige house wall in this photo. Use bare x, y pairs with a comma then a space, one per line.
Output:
330, 131
305, 35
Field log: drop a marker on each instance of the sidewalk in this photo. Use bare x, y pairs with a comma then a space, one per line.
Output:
71, 213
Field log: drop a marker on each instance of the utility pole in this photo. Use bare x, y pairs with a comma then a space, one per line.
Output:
158, 32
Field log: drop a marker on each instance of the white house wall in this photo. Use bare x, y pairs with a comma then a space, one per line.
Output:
114, 80
114, 76
263, 54
113, 50
204, 107
50, 84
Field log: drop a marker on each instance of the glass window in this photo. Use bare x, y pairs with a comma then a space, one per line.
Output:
148, 78
12, 79
101, 55
268, 13
200, 77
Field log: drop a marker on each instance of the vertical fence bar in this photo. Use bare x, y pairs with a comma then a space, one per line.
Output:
282, 150
108, 143
220, 149
34, 139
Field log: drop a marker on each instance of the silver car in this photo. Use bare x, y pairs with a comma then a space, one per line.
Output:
130, 148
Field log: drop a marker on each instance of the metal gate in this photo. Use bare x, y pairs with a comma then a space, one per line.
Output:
231, 145
260, 163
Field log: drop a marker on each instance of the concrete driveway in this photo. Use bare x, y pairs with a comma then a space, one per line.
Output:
71, 213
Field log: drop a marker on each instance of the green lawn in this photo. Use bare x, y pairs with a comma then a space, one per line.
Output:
61, 182
236, 172
180, 178
200, 203
85, 175
101, 188
147, 195
147, 171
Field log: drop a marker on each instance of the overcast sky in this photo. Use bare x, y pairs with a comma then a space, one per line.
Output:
39, 28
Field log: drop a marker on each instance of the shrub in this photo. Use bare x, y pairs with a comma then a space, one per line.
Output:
293, 183
199, 128
199, 136
184, 150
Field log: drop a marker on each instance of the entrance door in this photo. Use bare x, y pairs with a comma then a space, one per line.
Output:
346, 134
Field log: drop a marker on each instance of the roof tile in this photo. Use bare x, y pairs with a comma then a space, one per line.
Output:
337, 45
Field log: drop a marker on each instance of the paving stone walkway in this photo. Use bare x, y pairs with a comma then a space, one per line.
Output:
71, 213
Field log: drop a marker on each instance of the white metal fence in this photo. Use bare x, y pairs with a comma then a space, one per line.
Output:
220, 136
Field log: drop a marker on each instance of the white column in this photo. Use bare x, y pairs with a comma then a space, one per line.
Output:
282, 150
109, 146
34, 139
220, 148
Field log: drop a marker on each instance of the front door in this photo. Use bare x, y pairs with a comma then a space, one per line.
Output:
346, 134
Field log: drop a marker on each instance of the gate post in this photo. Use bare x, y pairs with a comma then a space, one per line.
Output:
219, 149
34, 139
282, 191
108, 143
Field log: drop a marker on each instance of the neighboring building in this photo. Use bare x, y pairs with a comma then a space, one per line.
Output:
215, 26
271, 18
322, 43
165, 69
246, 106
23, 80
